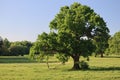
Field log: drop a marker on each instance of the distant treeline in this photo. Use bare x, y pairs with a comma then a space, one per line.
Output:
17, 48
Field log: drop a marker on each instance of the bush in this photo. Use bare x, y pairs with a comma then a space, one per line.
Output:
84, 65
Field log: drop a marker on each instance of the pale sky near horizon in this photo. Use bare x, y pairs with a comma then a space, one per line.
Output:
25, 19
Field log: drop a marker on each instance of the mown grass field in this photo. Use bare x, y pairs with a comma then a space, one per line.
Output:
21, 68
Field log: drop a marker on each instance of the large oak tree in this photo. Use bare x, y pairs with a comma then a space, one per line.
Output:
73, 31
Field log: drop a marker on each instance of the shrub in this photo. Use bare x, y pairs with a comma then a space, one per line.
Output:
84, 65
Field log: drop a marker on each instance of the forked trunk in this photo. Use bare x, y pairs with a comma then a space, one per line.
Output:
76, 62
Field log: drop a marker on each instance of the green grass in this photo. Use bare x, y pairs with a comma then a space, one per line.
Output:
21, 68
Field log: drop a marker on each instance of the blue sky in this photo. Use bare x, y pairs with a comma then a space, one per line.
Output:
25, 19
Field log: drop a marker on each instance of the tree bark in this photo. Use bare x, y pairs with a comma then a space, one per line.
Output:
76, 62
101, 55
95, 54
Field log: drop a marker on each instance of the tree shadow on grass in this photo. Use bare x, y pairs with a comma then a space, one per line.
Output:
104, 69
98, 69
111, 57
49, 61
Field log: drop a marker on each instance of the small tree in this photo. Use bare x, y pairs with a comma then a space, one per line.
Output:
44, 46
6, 43
4, 47
1, 44
114, 44
1, 41
101, 43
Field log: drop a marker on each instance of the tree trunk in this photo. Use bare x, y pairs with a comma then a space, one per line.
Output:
76, 62
95, 54
47, 57
101, 55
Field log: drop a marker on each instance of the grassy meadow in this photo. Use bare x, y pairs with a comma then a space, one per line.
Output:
21, 68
